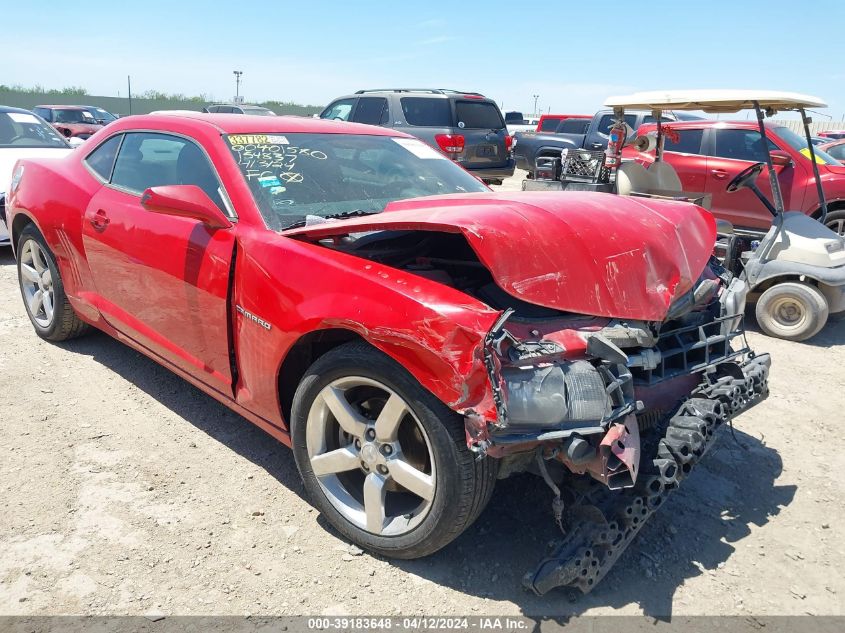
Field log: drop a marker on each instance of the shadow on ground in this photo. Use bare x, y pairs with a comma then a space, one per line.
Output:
713, 509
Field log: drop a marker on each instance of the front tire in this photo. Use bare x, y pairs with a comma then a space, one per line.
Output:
792, 311
383, 459
43, 292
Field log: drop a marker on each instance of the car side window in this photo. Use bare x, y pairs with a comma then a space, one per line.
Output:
606, 122
339, 110
149, 159
371, 110
550, 125
101, 160
837, 151
44, 113
741, 145
689, 142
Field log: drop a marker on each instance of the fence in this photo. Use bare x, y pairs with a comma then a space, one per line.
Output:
815, 127
120, 105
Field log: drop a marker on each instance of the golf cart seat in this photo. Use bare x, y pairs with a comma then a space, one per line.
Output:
664, 176
660, 180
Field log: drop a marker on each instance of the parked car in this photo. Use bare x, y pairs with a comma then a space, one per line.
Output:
23, 135
516, 122
238, 108
835, 134
466, 126
572, 134
550, 122
709, 154
409, 349
70, 121
835, 148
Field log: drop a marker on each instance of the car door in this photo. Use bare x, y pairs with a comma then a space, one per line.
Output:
731, 151
162, 280
684, 152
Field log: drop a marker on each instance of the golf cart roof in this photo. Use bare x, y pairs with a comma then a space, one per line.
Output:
714, 101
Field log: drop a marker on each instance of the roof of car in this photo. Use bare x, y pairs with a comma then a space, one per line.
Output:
63, 107
714, 100
679, 125
833, 142
247, 124
11, 109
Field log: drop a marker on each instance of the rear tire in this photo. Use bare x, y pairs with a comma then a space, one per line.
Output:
792, 311
835, 221
42, 290
362, 487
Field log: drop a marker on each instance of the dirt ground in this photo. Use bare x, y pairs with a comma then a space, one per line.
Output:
127, 491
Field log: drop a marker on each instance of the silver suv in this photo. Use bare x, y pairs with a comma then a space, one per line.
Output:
466, 126
238, 108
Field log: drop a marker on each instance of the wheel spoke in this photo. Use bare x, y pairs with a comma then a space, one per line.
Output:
347, 417
37, 264
30, 274
47, 303
387, 423
35, 302
374, 502
336, 461
409, 477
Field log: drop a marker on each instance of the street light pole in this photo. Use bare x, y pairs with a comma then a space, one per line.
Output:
238, 74
535, 104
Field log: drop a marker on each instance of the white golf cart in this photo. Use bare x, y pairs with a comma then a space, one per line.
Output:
796, 272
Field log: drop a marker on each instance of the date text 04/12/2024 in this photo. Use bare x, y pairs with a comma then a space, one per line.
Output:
420, 623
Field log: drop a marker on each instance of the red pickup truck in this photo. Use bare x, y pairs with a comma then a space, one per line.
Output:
707, 155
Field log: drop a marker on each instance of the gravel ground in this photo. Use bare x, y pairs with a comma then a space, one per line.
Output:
127, 491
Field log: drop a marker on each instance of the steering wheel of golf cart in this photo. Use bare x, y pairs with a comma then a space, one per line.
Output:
745, 177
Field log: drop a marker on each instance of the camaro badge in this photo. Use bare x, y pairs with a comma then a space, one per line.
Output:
253, 318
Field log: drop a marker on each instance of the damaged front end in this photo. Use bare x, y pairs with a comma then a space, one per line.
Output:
615, 414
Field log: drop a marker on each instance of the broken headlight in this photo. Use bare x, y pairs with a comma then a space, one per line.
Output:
552, 395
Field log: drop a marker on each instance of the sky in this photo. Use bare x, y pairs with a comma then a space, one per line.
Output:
572, 54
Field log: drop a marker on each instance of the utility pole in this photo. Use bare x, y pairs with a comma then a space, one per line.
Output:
129, 89
238, 74
535, 104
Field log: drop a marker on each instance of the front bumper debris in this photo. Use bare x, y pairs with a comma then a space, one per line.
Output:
605, 522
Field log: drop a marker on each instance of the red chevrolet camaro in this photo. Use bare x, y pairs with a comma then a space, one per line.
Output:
411, 334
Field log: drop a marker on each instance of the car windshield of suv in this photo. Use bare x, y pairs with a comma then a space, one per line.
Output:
22, 129
304, 178
73, 116
799, 143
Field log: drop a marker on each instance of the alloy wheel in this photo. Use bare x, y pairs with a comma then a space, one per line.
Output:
371, 456
37, 283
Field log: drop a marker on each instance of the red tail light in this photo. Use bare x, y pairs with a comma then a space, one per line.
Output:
450, 143
508, 142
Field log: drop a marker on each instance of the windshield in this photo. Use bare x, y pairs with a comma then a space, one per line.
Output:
73, 116
22, 129
799, 143
259, 111
297, 178
102, 115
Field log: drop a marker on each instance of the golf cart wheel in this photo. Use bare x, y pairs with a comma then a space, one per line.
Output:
792, 311
43, 292
384, 461
835, 221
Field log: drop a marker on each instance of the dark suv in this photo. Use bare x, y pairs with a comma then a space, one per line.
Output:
466, 126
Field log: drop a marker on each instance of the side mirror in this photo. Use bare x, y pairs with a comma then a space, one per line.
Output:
780, 158
186, 201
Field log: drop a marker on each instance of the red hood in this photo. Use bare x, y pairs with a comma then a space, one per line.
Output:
590, 253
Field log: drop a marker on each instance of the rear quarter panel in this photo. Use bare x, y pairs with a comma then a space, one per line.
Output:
53, 193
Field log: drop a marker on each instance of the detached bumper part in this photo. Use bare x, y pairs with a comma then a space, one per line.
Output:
606, 523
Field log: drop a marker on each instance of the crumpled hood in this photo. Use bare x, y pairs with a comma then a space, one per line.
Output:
589, 253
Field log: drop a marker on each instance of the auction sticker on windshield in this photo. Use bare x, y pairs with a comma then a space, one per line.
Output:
418, 148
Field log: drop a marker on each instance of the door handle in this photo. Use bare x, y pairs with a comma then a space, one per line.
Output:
719, 174
100, 220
